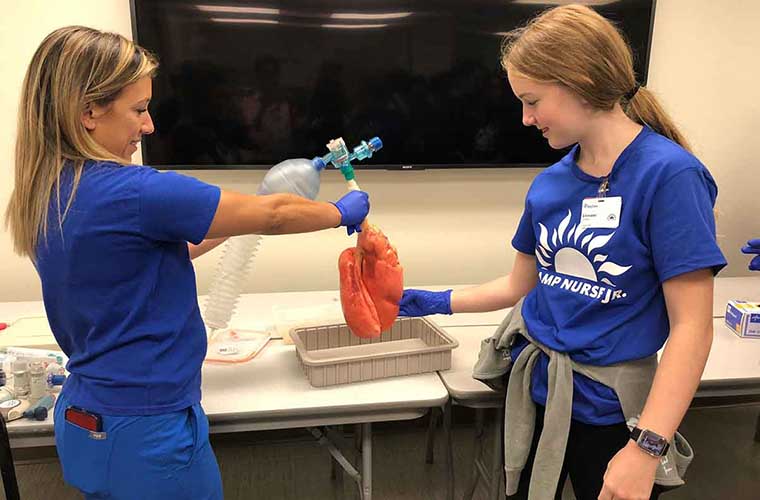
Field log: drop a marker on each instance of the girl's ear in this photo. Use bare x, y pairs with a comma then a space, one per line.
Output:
583, 101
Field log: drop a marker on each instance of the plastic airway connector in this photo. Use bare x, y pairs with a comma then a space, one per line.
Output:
318, 163
375, 143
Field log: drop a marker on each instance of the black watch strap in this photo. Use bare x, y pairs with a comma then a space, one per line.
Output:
635, 433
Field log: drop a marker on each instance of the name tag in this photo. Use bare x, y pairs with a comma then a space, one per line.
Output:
601, 212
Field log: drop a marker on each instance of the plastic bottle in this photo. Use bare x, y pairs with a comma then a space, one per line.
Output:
20, 379
296, 176
6, 363
37, 381
55, 369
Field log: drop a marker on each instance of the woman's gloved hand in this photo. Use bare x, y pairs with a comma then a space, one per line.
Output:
424, 302
753, 247
353, 208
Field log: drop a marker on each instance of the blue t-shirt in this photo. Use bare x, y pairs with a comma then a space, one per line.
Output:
119, 288
599, 296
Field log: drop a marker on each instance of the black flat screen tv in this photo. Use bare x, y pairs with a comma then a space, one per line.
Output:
246, 84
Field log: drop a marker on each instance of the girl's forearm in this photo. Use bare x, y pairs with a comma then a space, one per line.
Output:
677, 378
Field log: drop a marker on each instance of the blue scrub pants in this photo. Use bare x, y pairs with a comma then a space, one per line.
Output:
164, 456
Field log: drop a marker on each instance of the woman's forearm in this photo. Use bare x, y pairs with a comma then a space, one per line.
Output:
270, 214
204, 246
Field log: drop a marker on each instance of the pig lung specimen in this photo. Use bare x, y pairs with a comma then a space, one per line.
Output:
371, 284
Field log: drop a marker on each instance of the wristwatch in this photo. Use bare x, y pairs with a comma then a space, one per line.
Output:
650, 442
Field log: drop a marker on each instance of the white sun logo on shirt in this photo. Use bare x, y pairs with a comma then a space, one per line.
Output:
579, 260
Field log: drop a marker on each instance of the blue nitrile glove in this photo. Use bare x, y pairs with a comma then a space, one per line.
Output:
353, 208
753, 246
424, 302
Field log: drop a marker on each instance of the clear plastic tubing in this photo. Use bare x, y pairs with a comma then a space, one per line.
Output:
296, 176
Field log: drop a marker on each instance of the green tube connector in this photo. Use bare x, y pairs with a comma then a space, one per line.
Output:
348, 172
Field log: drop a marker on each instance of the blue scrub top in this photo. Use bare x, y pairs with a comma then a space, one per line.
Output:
599, 296
119, 288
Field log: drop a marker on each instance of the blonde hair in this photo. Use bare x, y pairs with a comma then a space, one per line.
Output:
575, 46
74, 68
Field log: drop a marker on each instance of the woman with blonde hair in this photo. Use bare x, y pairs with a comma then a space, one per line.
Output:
616, 253
112, 244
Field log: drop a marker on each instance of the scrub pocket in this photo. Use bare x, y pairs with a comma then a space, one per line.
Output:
200, 479
165, 457
85, 461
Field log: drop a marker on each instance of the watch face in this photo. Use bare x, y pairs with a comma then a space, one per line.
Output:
652, 442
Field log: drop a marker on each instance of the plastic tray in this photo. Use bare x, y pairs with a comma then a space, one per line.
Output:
235, 345
331, 354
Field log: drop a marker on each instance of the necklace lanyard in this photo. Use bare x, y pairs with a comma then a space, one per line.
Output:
604, 187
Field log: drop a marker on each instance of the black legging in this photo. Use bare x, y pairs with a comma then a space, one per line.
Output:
589, 449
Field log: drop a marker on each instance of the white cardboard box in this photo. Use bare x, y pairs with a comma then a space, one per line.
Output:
743, 318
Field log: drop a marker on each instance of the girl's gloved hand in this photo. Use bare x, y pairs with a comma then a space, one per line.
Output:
424, 302
753, 247
353, 208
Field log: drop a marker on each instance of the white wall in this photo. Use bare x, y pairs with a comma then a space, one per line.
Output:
455, 226
705, 68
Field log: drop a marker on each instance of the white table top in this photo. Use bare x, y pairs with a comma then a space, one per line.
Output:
733, 362
732, 357
271, 391
741, 288
458, 380
278, 391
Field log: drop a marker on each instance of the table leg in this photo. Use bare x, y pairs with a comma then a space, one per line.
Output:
449, 452
357, 439
334, 465
430, 438
334, 469
324, 438
367, 461
477, 452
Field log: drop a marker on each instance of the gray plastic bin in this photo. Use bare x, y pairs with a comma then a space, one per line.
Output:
331, 354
